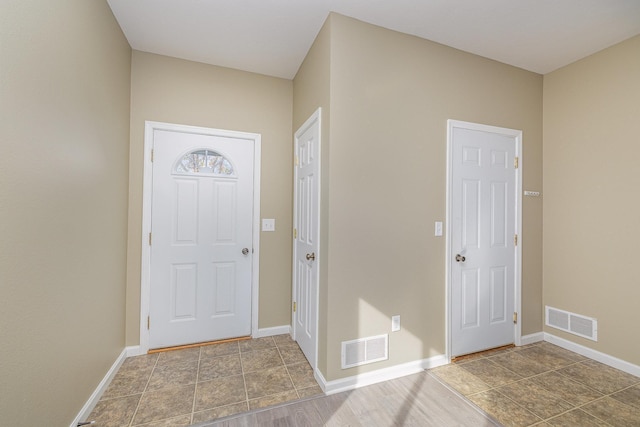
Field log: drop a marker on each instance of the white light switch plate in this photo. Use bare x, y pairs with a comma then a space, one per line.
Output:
268, 224
438, 228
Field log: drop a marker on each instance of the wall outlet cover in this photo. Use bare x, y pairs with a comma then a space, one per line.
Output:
395, 323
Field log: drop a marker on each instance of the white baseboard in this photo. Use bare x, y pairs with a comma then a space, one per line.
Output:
532, 338
102, 386
134, 350
276, 330
385, 374
612, 361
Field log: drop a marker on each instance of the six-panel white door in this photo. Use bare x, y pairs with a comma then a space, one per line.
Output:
483, 255
201, 252
306, 224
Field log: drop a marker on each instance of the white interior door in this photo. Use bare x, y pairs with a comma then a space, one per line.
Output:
483, 230
201, 241
306, 226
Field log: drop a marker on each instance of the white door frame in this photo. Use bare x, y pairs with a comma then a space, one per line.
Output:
147, 186
315, 117
517, 134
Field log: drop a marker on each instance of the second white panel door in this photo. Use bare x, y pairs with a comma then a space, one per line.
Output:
306, 245
483, 255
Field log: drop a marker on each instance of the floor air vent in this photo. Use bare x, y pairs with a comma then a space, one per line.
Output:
576, 324
365, 350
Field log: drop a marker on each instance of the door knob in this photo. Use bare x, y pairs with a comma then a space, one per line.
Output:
311, 256
245, 251
460, 258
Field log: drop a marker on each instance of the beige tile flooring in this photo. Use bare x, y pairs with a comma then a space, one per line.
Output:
544, 385
183, 387
539, 384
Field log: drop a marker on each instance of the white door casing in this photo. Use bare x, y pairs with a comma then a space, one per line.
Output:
197, 284
483, 252
306, 220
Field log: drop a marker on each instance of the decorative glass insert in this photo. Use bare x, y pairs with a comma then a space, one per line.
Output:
204, 162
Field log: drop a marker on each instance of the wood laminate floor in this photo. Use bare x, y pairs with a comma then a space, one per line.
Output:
414, 400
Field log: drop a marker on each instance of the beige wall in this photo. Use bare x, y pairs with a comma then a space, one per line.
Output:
176, 91
64, 121
311, 89
591, 203
390, 97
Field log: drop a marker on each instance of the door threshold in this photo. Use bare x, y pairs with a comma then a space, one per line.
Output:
199, 344
480, 353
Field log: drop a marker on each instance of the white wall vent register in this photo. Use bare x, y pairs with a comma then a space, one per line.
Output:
365, 350
576, 324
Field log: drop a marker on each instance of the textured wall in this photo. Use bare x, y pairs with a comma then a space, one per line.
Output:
591, 203
64, 121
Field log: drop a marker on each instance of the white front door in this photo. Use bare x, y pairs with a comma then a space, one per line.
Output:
306, 225
201, 241
483, 229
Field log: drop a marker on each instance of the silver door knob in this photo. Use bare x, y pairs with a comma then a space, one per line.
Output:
311, 256
460, 258
245, 251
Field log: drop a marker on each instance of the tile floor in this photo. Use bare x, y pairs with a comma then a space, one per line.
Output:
536, 385
544, 385
183, 387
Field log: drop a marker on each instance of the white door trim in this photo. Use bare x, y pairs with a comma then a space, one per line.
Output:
517, 134
315, 117
145, 284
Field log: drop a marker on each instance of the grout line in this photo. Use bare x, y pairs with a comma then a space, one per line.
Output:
244, 379
521, 406
195, 390
589, 413
288, 373
133, 417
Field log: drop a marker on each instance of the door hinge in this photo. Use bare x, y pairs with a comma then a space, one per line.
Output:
152, 155
148, 322
149, 239
515, 163
515, 240
295, 160
295, 306
515, 317
295, 233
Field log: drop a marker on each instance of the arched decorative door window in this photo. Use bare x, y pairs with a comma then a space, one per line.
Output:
204, 162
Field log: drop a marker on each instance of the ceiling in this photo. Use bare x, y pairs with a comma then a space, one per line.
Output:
272, 37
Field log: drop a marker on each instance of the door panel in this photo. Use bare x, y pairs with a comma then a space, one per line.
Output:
200, 281
498, 294
183, 291
186, 220
499, 215
224, 287
224, 213
471, 213
483, 226
470, 298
